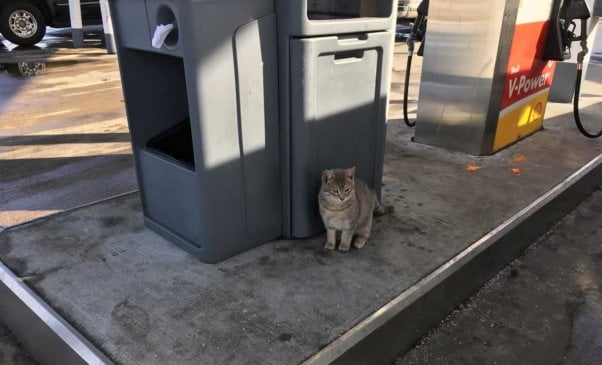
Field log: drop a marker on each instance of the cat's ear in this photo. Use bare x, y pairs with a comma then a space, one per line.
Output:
350, 173
327, 175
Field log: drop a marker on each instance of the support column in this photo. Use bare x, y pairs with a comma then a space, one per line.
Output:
77, 31
107, 26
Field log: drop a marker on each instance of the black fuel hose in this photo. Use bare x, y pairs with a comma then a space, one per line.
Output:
580, 58
416, 34
405, 91
576, 106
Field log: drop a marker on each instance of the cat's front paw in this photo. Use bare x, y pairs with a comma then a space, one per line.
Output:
343, 247
360, 242
329, 245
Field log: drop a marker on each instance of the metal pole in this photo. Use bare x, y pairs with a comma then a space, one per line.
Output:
107, 26
77, 31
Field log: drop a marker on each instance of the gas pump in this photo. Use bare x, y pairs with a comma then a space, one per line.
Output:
561, 34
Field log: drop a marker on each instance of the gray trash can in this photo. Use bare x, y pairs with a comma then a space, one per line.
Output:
203, 116
335, 60
222, 167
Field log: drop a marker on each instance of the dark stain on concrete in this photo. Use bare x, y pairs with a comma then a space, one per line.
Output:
16, 264
264, 260
312, 244
513, 274
131, 318
285, 337
425, 249
321, 254
110, 222
418, 247
409, 229
91, 248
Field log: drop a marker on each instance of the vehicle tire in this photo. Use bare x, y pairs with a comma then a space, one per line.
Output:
22, 23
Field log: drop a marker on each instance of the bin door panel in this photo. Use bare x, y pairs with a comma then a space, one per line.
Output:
170, 196
336, 116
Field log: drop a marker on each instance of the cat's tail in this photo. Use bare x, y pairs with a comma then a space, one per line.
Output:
380, 209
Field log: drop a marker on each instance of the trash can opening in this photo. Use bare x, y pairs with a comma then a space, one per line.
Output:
348, 9
175, 144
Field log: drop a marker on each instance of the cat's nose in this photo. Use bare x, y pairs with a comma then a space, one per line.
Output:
341, 197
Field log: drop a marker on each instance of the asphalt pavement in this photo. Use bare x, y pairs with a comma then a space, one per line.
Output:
11, 350
544, 308
64, 140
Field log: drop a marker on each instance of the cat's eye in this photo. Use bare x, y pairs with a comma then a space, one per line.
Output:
347, 190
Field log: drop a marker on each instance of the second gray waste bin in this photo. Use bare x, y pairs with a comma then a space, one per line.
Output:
335, 68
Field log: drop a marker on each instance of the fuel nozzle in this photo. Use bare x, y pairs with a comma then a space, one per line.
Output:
562, 29
577, 9
418, 28
574, 10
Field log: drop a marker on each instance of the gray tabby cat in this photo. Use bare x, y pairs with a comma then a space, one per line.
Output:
347, 204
